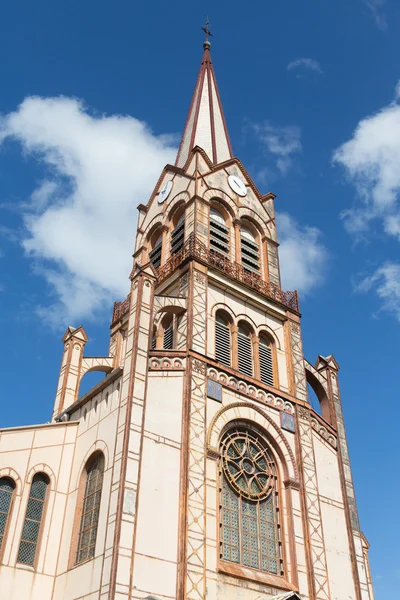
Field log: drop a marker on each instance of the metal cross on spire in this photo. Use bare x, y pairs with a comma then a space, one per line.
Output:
207, 30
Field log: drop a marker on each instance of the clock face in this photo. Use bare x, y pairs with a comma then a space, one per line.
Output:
163, 195
237, 185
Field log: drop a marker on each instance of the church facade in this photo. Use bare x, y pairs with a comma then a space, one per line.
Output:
197, 467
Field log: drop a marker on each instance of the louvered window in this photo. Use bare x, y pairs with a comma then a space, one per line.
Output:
250, 251
219, 233
90, 510
266, 364
7, 487
168, 337
249, 519
178, 236
222, 341
155, 254
245, 355
33, 519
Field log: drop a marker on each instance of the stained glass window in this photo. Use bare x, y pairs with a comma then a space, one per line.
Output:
90, 510
33, 519
7, 487
250, 532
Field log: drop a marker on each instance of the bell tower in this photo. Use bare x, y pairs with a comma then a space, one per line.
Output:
239, 484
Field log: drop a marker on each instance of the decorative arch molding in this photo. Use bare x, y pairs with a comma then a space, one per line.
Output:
243, 411
246, 319
178, 200
248, 213
157, 221
42, 468
221, 306
12, 474
270, 332
164, 304
98, 446
225, 199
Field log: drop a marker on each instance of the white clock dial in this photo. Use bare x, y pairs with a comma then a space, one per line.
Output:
163, 195
237, 185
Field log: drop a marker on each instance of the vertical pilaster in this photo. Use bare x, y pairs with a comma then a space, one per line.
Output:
196, 486
273, 263
360, 571
126, 470
199, 312
319, 588
299, 373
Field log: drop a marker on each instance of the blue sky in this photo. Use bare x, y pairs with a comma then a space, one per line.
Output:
93, 98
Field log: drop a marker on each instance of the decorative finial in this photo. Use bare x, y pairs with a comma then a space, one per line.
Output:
208, 33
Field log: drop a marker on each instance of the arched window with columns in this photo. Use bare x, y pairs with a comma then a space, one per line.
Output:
223, 338
250, 531
33, 521
89, 507
7, 490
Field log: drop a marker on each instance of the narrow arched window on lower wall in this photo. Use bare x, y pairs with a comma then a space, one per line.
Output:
249, 524
7, 488
89, 519
33, 519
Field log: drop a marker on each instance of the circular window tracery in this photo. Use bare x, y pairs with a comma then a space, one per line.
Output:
247, 464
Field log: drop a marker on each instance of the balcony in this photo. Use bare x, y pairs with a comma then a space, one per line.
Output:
193, 248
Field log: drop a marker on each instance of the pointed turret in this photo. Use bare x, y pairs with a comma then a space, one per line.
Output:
205, 124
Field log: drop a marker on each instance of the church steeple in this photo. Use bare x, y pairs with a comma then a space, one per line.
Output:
205, 124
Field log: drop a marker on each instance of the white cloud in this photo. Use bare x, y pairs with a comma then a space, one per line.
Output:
385, 281
81, 220
280, 142
376, 9
309, 64
371, 159
303, 257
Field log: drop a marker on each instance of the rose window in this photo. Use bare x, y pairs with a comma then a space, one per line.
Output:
247, 465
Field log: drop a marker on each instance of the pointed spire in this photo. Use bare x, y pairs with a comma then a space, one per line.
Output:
205, 124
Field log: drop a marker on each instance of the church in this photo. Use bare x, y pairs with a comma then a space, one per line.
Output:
196, 469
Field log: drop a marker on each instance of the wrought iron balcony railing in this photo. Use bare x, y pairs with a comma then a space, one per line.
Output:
194, 248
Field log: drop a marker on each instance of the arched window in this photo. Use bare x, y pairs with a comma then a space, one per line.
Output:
7, 487
245, 349
219, 233
178, 235
250, 250
155, 253
222, 338
250, 530
266, 359
90, 509
33, 519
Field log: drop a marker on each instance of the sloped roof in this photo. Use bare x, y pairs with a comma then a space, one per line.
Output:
205, 124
